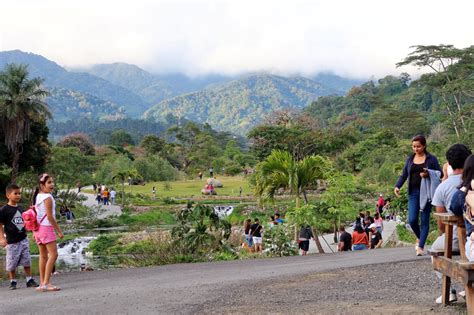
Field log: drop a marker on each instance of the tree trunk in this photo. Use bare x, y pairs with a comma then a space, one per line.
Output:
305, 197
335, 231
15, 163
318, 243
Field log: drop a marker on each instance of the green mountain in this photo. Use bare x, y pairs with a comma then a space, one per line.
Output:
153, 88
66, 104
239, 105
57, 77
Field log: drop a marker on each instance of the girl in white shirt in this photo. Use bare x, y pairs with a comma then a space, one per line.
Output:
45, 236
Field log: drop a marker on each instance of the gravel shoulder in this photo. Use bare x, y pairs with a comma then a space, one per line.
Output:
389, 281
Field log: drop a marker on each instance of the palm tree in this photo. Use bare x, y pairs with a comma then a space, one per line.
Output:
281, 170
124, 174
21, 102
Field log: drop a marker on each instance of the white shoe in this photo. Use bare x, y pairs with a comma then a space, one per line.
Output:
452, 298
462, 294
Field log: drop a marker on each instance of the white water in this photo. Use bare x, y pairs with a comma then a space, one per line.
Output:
223, 211
74, 251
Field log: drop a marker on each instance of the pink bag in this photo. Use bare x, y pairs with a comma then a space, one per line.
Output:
30, 219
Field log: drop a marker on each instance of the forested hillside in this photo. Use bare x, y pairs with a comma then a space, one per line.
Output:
368, 131
241, 104
56, 76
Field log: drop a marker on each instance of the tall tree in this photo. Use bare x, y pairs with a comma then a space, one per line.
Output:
452, 78
21, 103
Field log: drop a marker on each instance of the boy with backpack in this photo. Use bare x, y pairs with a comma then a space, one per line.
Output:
16, 241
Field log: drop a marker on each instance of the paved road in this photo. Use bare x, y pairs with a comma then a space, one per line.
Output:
176, 289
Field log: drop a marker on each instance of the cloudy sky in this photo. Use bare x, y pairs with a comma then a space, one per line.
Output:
353, 38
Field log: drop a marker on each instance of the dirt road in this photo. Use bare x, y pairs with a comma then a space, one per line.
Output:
382, 281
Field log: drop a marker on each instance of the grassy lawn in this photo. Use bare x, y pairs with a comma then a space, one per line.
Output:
192, 188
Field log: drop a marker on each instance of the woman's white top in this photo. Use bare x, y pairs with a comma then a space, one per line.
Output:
41, 208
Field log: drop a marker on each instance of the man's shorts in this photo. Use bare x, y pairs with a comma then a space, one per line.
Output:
18, 254
257, 240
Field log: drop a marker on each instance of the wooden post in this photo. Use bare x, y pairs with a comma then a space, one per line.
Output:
469, 298
448, 247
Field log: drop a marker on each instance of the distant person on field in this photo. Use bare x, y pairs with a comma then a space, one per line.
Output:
16, 241
272, 222
105, 196
360, 240
153, 192
200, 175
345, 240
256, 233
240, 191
306, 234
278, 219
211, 172
113, 194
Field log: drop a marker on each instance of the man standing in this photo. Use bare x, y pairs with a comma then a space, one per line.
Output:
456, 155
256, 233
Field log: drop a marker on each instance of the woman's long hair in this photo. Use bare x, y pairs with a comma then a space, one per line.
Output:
42, 179
468, 172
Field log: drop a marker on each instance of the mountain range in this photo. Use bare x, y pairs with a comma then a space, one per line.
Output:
118, 90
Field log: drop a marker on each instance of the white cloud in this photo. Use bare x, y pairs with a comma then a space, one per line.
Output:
354, 38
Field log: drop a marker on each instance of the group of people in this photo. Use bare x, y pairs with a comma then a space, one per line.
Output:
104, 196
367, 233
14, 238
253, 233
445, 189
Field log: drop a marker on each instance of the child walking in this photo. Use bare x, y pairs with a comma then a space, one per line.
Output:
44, 236
16, 241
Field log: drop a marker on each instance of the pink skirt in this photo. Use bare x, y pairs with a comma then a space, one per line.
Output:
44, 235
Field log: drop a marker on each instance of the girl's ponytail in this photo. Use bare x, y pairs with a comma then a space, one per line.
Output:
35, 194
41, 181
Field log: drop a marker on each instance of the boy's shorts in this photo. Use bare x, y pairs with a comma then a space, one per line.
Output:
18, 254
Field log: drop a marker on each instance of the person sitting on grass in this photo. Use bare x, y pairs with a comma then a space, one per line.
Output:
345, 240
16, 241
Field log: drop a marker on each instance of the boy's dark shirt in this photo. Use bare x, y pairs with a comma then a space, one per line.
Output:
376, 237
255, 230
13, 224
346, 238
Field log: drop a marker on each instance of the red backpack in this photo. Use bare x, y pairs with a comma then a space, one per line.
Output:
30, 219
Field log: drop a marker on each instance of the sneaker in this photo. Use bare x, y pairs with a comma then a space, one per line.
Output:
13, 285
32, 283
452, 298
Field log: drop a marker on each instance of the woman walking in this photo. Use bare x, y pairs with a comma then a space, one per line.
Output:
415, 169
44, 236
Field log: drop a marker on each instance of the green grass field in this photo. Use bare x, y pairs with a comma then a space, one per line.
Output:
192, 188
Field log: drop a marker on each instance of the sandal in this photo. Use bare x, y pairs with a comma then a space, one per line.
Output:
51, 287
41, 288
